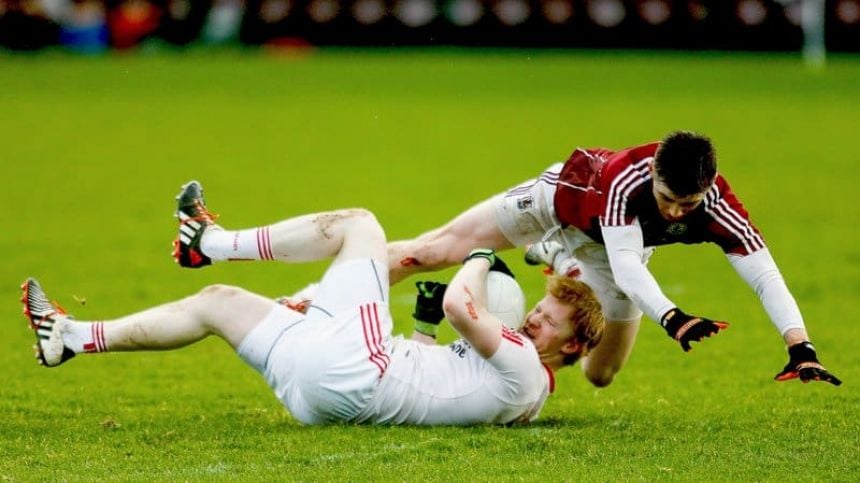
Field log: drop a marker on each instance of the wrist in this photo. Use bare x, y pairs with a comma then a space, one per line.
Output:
669, 315
802, 350
487, 254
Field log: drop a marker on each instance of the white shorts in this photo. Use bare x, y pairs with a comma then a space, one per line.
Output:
526, 214
325, 367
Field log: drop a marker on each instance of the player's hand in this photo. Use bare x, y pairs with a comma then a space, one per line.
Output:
428, 302
688, 328
496, 263
803, 363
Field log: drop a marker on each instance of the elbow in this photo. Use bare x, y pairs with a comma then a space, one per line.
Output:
455, 305
453, 308
626, 288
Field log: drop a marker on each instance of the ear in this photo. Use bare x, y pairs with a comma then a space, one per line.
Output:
571, 347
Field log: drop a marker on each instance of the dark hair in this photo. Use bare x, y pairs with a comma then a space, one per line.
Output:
686, 163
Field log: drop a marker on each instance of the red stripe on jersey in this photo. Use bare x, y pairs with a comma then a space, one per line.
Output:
551, 376
379, 347
621, 187
512, 336
372, 337
365, 322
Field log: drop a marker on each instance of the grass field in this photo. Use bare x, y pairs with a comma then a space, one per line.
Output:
94, 149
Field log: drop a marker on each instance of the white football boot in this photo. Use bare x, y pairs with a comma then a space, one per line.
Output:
48, 321
553, 255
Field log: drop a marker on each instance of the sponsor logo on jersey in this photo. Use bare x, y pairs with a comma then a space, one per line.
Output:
525, 203
460, 347
676, 229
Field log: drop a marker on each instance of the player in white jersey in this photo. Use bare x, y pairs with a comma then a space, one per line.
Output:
337, 361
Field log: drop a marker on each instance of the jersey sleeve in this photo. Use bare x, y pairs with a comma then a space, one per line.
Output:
730, 226
624, 247
519, 366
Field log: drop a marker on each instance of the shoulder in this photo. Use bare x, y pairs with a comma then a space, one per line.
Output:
721, 195
731, 225
630, 164
517, 362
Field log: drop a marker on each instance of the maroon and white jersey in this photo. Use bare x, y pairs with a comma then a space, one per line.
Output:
599, 187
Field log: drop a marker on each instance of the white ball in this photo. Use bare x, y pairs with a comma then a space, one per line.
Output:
505, 299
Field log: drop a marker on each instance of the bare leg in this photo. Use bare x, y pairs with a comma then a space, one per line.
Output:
611, 353
231, 313
348, 233
447, 245
227, 312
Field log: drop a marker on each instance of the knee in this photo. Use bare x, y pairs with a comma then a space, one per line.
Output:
347, 220
362, 216
600, 380
438, 248
599, 377
363, 221
214, 301
217, 292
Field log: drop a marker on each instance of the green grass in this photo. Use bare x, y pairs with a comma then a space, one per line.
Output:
95, 149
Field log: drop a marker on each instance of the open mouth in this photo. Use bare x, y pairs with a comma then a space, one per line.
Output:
525, 331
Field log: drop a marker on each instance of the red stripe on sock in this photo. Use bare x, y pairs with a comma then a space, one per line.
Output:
259, 245
269, 244
100, 335
93, 342
264, 244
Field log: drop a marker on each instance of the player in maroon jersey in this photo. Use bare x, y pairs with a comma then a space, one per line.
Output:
599, 216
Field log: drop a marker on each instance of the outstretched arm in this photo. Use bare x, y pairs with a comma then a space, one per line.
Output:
760, 272
625, 248
466, 306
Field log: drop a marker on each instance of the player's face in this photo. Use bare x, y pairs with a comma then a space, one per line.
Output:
673, 207
547, 327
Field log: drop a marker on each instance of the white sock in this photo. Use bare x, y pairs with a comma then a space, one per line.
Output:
252, 244
84, 336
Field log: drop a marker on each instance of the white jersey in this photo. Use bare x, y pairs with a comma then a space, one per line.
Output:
454, 385
339, 363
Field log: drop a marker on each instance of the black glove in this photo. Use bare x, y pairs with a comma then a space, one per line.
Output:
687, 328
803, 363
496, 263
428, 302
